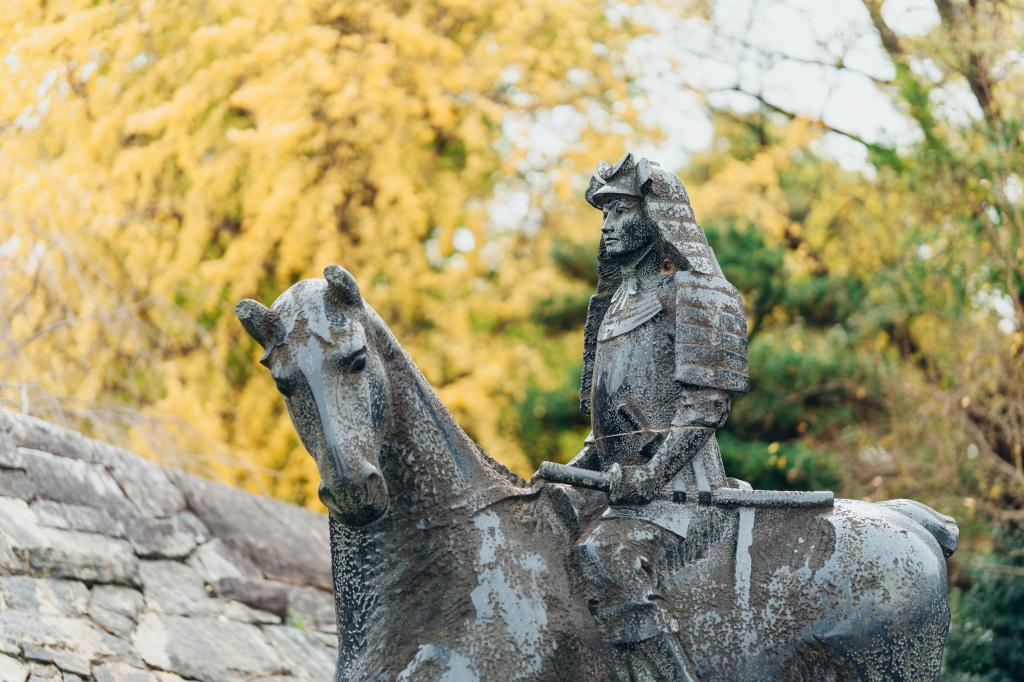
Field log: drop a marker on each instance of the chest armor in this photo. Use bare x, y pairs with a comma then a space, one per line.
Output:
634, 389
630, 312
643, 365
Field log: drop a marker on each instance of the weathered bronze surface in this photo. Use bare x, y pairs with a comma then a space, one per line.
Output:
651, 564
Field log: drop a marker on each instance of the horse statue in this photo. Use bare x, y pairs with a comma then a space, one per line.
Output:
448, 566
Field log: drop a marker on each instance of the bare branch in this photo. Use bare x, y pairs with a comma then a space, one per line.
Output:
839, 64
890, 41
912, 89
974, 70
817, 122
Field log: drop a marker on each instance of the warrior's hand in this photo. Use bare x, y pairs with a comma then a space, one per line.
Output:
638, 485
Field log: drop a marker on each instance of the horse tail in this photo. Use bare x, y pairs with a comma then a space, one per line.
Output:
943, 528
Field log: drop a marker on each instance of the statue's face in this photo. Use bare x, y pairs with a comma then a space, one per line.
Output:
625, 232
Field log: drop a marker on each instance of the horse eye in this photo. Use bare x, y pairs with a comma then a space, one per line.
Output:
286, 385
620, 210
356, 361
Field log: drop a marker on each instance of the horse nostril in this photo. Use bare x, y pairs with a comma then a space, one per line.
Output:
374, 487
326, 496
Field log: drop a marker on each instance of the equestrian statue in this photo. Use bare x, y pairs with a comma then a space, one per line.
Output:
638, 560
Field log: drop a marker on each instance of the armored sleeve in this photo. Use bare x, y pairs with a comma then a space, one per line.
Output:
702, 406
711, 333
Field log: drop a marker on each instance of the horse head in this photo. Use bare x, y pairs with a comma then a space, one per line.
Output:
334, 384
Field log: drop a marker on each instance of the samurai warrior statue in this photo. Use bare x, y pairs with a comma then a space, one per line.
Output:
665, 350
650, 564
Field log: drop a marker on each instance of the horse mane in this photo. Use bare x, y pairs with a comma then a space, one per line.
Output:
388, 345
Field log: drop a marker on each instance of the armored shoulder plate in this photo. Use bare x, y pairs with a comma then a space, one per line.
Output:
711, 333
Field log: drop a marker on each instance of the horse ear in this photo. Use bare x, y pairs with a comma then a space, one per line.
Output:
342, 285
259, 320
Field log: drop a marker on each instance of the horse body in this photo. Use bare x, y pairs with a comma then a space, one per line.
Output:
855, 592
447, 568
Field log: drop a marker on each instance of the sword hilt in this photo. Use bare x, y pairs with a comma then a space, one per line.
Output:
581, 478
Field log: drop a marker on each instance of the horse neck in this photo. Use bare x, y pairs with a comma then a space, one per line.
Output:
433, 467
437, 478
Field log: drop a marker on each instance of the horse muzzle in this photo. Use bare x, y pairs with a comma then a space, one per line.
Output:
359, 500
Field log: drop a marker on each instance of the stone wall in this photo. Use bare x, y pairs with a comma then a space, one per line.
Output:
114, 569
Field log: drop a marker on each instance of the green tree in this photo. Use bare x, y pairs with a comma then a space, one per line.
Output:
936, 249
985, 639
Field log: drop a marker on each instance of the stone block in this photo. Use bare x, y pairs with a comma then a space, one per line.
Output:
42, 672
119, 672
312, 607
259, 594
9, 561
16, 483
12, 670
49, 552
206, 649
18, 524
84, 556
44, 596
29, 432
66, 660
171, 538
173, 588
115, 608
9, 457
77, 517
237, 611
285, 542
148, 486
307, 655
214, 561
73, 481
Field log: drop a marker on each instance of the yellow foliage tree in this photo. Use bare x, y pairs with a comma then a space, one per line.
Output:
161, 161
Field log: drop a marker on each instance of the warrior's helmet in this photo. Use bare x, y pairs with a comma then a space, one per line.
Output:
718, 331
666, 202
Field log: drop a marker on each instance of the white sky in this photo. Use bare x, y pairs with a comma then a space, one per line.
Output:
759, 45
744, 50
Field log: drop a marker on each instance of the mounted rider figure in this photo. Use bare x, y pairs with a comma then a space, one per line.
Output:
665, 349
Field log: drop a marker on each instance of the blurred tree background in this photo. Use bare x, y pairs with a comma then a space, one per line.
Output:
159, 162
